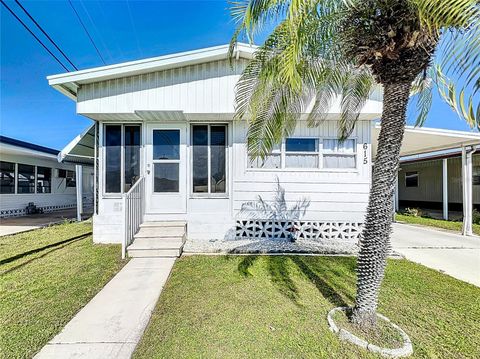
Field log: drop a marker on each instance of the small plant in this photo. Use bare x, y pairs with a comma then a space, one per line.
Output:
476, 216
413, 212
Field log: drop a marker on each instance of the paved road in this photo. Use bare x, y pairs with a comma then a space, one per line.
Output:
451, 253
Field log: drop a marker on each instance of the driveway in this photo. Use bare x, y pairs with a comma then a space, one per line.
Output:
19, 224
451, 253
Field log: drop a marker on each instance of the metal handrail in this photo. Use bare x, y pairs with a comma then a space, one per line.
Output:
134, 210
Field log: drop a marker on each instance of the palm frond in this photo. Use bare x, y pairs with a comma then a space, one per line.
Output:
421, 91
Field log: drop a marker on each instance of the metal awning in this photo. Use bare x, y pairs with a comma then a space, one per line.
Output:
426, 140
81, 149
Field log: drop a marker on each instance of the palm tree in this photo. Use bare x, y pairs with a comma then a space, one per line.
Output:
320, 49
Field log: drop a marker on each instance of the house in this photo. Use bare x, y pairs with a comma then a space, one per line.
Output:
167, 123
30, 173
421, 183
171, 162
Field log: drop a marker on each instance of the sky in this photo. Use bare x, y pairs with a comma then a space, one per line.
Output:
123, 31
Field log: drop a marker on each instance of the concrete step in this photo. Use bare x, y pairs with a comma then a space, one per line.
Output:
158, 239
156, 224
157, 243
146, 253
161, 232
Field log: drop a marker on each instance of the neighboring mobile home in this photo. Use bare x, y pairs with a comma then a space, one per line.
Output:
165, 125
420, 181
31, 173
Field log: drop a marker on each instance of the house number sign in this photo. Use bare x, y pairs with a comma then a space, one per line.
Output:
365, 153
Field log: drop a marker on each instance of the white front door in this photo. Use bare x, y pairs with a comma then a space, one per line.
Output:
166, 168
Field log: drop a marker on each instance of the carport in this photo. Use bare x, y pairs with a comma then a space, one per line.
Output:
81, 151
426, 143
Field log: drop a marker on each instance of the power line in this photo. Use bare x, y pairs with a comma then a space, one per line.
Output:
133, 27
43, 31
86, 31
35, 36
99, 35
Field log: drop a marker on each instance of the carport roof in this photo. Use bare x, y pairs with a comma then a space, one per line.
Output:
81, 149
425, 140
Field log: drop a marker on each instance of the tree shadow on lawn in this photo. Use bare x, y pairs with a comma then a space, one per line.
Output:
53, 247
325, 275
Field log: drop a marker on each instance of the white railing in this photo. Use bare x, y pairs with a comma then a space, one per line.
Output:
134, 210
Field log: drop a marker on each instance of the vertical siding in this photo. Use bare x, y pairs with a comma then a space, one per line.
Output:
334, 195
430, 181
202, 88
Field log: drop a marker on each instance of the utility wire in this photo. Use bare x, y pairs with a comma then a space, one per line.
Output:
86, 31
96, 29
134, 28
43, 31
35, 36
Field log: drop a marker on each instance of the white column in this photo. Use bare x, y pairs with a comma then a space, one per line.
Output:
445, 188
79, 186
396, 198
467, 190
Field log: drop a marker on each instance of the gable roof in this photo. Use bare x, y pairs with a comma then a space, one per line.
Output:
68, 83
27, 145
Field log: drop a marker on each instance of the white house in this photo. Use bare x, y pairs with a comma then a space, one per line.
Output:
31, 173
170, 156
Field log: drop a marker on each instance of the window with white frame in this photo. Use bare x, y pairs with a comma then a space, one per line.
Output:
209, 155
306, 152
339, 153
122, 157
411, 179
166, 160
301, 153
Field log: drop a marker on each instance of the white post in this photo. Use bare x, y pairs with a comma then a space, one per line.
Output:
445, 188
467, 190
397, 197
79, 187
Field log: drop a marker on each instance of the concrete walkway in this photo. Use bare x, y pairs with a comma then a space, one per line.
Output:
112, 323
451, 253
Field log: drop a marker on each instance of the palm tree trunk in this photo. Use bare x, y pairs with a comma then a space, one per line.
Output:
375, 242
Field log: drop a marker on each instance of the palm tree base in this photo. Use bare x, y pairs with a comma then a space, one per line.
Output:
404, 351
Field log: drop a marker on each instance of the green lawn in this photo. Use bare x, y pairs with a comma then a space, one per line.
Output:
276, 307
438, 223
45, 279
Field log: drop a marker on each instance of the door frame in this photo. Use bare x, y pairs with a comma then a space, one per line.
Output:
172, 202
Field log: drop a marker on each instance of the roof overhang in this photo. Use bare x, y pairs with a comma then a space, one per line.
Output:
426, 140
9, 149
68, 83
81, 149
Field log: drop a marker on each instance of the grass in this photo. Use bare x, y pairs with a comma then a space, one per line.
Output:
276, 307
46, 277
438, 223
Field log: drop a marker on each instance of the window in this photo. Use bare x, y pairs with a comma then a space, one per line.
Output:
339, 154
132, 156
166, 160
113, 158
118, 157
44, 180
301, 153
69, 177
411, 179
26, 179
476, 176
7, 177
209, 146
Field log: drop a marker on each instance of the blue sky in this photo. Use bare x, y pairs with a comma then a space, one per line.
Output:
32, 111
